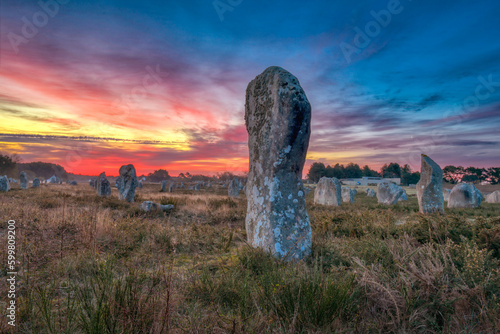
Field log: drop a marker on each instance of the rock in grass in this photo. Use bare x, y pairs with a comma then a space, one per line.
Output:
403, 197
347, 195
73, 183
430, 187
328, 192
277, 117
4, 183
128, 183
36, 183
53, 179
163, 186
388, 193
494, 197
149, 206
370, 193
23, 180
234, 189
464, 195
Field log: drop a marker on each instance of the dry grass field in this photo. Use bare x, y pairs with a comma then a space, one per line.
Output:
100, 265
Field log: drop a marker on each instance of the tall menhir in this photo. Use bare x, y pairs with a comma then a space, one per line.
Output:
278, 121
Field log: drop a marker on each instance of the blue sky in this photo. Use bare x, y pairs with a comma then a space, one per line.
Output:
426, 79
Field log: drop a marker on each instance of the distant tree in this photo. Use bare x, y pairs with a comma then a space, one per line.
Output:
8, 165
366, 171
493, 175
158, 175
393, 170
339, 171
316, 172
44, 169
353, 171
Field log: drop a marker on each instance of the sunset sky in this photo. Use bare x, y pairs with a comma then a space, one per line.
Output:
93, 85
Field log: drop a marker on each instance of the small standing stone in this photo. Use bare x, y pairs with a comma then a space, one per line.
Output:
171, 187
73, 183
150, 206
103, 185
494, 197
129, 183
23, 180
430, 187
328, 192
464, 195
234, 189
347, 195
370, 192
36, 183
389, 193
4, 183
163, 186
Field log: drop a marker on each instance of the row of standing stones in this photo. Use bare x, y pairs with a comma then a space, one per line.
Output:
24, 182
278, 121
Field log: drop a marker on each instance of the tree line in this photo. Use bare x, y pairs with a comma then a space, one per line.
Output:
451, 174
354, 171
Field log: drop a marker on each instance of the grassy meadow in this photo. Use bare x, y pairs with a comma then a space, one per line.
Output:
99, 265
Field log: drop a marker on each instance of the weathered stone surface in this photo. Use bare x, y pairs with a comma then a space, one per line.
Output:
277, 117
354, 191
128, 183
371, 193
140, 185
464, 195
171, 187
4, 183
119, 182
234, 189
389, 193
494, 197
403, 197
23, 179
163, 186
430, 187
328, 192
103, 185
36, 183
150, 206
347, 195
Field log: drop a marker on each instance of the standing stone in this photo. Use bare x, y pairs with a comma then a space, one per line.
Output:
23, 179
53, 179
163, 186
103, 185
128, 183
464, 195
494, 197
234, 189
91, 182
347, 195
36, 183
389, 193
371, 193
4, 183
430, 187
140, 185
150, 206
328, 192
277, 117
197, 186
171, 187
73, 183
